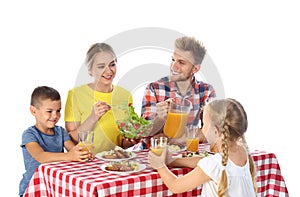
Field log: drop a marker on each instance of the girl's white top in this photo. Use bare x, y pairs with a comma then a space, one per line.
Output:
239, 178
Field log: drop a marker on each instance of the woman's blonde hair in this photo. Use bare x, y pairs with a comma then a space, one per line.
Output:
230, 118
94, 49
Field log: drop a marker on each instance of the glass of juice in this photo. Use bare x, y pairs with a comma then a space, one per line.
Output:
177, 117
192, 135
157, 144
86, 140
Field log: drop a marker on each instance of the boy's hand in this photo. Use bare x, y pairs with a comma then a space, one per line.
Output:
78, 154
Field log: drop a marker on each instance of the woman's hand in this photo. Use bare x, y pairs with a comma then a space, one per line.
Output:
99, 109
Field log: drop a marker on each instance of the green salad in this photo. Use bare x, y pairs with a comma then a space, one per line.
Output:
133, 126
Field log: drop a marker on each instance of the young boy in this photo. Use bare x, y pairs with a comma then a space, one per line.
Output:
45, 142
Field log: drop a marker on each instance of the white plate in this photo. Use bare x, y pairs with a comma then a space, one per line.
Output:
141, 167
175, 148
200, 154
99, 156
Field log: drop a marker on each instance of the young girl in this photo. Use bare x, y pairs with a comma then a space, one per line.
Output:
231, 171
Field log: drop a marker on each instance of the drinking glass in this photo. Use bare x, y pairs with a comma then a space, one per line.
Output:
192, 134
157, 144
177, 117
86, 140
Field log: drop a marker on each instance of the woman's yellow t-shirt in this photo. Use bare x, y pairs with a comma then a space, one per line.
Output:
79, 106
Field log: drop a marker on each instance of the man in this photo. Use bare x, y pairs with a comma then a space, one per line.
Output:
186, 62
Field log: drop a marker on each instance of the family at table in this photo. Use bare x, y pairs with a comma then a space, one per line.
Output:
93, 107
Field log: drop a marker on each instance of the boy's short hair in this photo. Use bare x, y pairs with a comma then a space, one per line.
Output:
41, 93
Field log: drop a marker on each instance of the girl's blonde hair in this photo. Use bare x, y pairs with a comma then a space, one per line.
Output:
230, 118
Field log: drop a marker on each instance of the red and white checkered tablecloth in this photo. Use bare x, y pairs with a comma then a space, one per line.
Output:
270, 182
86, 179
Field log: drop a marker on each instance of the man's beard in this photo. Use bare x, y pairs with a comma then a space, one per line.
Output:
180, 77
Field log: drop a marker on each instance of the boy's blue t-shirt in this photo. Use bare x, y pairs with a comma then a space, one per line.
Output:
49, 143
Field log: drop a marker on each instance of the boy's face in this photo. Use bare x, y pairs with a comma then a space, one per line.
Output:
46, 114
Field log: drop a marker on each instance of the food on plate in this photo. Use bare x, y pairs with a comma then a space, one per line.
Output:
194, 154
175, 147
117, 153
122, 166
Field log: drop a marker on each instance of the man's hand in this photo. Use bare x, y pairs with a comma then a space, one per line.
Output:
162, 108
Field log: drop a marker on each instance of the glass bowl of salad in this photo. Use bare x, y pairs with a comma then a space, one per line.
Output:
133, 128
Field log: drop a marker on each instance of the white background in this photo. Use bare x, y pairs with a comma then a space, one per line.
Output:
254, 44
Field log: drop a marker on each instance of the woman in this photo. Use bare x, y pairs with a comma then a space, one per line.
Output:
92, 107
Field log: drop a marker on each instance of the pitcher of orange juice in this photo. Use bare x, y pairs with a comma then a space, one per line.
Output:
177, 117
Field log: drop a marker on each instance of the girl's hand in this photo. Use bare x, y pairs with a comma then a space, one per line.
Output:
156, 161
169, 158
99, 109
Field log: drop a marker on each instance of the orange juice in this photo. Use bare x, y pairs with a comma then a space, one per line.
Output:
192, 144
175, 124
86, 147
157, 150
